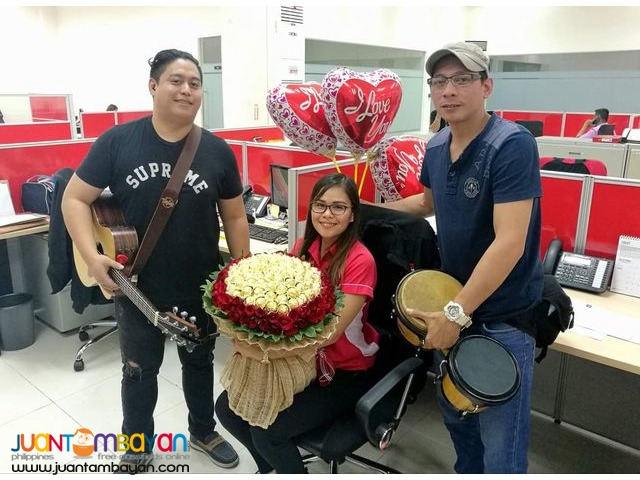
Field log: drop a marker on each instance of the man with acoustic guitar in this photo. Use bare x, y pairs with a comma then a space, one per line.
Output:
482, 181
135, 161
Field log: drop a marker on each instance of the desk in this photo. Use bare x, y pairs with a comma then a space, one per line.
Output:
593, 384
610, 351
14, 252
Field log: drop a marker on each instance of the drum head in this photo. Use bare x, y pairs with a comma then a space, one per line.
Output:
426, 290
484, 369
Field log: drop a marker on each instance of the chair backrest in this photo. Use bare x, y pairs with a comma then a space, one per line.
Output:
574, 165
607, 129
399, 242
534, 126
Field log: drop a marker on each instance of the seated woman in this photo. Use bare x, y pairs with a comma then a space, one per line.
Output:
346, 357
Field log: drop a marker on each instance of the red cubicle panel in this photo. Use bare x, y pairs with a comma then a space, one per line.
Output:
95, 123
34, 132
306, 181
124, 117
551, 121
48, 107
19, 162
635, 121
560, 205
259, 157
253, 134
615, 211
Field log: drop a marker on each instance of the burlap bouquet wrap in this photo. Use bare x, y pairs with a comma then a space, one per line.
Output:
301, 319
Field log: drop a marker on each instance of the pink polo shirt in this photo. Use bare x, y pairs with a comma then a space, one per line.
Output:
357, 346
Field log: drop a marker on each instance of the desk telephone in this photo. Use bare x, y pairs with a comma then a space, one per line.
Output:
573, 270
254, 204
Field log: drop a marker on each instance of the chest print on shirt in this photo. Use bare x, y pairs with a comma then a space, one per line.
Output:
471, 187
143, 173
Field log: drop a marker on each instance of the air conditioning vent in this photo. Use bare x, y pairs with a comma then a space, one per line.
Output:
292, 15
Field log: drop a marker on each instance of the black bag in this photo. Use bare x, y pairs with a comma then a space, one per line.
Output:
552, 315
37, 194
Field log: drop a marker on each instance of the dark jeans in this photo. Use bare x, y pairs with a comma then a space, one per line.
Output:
142, 349
275, 447
496, 440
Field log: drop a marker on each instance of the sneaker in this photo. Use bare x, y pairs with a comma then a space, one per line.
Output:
219, 450
134, 463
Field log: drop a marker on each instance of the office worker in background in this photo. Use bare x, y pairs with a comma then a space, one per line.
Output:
112, 108
436, 122
331, 240
134, 160
591, 127
482, 181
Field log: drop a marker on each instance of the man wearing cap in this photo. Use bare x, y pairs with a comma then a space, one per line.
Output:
482, 181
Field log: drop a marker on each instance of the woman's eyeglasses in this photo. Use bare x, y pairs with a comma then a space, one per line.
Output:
336, 208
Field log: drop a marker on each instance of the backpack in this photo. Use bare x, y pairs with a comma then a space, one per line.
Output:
37, 194
545, 320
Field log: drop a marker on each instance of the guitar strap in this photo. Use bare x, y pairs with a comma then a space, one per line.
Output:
168, 201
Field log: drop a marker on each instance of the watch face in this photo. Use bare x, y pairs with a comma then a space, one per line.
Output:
454, 310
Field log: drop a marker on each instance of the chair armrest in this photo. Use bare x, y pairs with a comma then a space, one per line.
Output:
372, 410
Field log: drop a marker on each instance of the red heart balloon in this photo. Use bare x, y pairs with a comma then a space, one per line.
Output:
299, 112
360, 107
396, 166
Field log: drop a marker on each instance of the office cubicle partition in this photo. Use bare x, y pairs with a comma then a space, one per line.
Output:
560, 209
19, 162
267, 133
614, 211
612, 154
552, 121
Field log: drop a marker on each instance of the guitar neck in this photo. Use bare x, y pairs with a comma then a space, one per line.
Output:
135, 295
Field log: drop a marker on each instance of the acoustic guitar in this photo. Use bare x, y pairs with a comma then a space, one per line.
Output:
120, 242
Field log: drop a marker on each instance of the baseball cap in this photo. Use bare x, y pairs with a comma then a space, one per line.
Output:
471, 56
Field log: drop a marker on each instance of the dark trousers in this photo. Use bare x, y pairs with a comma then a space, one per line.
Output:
142, 349
275, 447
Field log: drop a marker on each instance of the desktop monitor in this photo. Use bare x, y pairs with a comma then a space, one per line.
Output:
280, 186
534, 126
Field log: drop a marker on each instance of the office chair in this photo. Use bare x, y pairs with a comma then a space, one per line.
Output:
398, 242
574, 165
375, 419
607, 129
112, 327
61, 270
534, 126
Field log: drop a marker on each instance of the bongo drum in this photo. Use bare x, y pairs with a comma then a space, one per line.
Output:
426, 290
480, 372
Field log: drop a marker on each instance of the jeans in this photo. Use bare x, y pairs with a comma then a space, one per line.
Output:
142, 349
496, 440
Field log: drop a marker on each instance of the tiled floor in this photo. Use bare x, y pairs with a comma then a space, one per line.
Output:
41, 393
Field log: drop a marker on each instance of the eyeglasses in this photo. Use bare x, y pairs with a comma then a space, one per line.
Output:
337, 208
460, 80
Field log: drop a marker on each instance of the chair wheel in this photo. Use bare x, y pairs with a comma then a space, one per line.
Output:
78, 365
83, 336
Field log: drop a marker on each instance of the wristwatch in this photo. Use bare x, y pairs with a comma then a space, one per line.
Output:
454, 313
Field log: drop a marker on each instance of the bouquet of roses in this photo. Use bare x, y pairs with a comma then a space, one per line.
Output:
276, 302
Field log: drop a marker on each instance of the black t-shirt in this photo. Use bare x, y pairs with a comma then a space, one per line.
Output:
135, 163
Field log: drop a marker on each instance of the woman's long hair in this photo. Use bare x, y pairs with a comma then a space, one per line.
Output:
348, 237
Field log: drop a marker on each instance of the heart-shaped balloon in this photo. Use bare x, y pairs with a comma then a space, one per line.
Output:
299, 112
360, 107
396, 166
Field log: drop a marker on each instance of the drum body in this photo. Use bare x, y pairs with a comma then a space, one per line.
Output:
426, 290
480, 372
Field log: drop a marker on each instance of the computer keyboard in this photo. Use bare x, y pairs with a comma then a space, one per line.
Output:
265, 234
